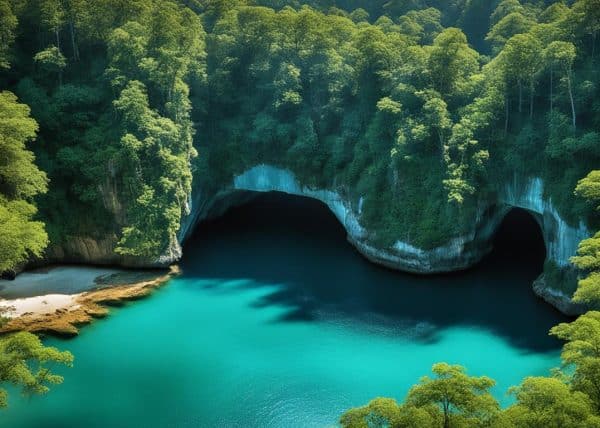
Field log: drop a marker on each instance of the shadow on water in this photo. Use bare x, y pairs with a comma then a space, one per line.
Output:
297, 244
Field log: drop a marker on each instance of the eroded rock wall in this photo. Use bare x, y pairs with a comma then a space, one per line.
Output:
461, 252
561, 238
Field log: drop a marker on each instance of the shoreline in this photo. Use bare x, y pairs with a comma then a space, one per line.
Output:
63, 314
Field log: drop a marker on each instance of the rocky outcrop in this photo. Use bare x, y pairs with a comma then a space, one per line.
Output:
63, 314
557, 298
101, 251
561, 238
460, 253
85, 249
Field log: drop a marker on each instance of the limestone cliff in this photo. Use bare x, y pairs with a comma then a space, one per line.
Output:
99, 247
460, 253
560, 238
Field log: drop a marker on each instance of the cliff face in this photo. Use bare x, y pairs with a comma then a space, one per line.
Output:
101, 251
460, 253
99, 248
561, 239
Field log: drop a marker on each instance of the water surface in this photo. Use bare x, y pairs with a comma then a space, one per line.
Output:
55, 280
278, 322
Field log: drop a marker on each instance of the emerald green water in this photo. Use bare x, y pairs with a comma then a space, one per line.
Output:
278, 322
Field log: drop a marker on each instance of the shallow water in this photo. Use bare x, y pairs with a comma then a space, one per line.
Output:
54, 280
278, 322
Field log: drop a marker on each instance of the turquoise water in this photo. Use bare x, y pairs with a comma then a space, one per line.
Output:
278, 322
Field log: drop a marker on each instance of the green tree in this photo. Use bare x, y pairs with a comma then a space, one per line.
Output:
437, 117
52, 61
509, 26
588, 14
523, 55
20, 181
422, 25
505, 8
555, 12
588, 260
581, 354
452, 61
458, 396
548, 402
154, 160
75, 14
588, 253
589, 188
53, 18
562, 55
379, 412
23, 360
359, 15
8, 25
385, 412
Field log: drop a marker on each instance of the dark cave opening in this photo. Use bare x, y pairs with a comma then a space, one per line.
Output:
298, 245
519, 237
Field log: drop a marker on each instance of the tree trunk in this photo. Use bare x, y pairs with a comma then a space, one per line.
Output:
73, 42
551, 89
442, 150
446, 407
572, 101
506, 113
60, 73
520, 97
531, 95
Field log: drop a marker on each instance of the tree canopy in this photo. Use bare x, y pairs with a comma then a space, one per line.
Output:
23, 360
119, 110
375, 98
20, 180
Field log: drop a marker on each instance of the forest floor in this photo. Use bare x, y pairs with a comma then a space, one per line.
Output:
64, 314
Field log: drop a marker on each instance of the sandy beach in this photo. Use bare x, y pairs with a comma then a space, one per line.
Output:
80, 303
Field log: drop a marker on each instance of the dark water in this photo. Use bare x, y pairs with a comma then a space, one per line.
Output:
278, 322
320, 271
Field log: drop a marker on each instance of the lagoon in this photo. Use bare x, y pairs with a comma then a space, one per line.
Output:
277, 321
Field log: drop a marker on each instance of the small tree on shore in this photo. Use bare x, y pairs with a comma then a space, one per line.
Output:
23, 359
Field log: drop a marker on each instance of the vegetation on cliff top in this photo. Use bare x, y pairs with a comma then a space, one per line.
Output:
20, 180
107, 83
379, 101
569, 398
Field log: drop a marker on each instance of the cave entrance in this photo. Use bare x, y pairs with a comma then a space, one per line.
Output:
269, 220
519, 237
291, 255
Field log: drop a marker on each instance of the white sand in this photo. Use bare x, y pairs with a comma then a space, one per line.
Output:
39, 305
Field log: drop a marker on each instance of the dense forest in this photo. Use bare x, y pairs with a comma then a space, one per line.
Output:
378, 102
117, 109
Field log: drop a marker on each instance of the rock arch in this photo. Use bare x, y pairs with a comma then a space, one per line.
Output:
561, 239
